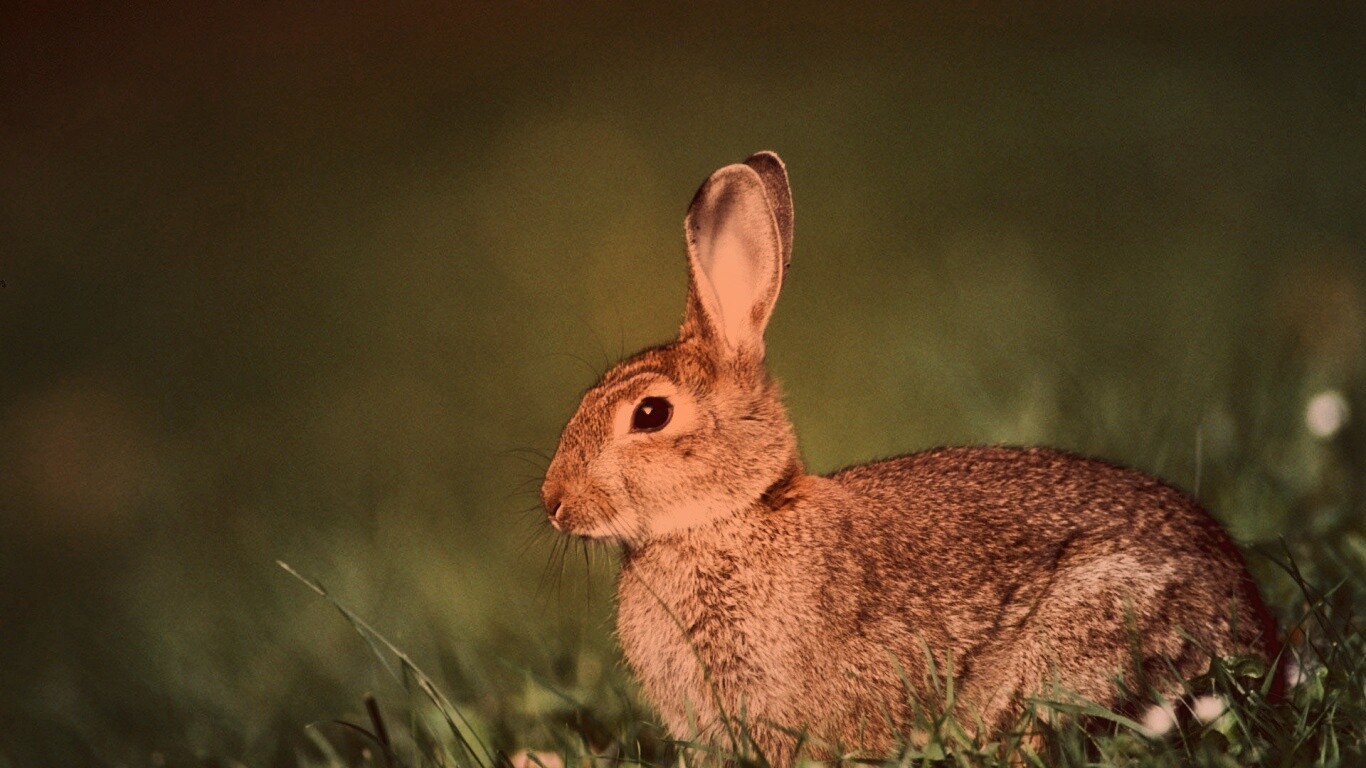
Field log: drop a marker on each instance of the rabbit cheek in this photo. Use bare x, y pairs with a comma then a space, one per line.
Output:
688, 513
665, 484
615, 515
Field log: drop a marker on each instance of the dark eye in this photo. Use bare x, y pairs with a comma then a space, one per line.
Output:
651, 415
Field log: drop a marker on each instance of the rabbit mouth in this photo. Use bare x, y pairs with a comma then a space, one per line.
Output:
587, 521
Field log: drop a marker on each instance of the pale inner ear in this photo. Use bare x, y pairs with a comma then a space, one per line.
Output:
736, 257
735, 277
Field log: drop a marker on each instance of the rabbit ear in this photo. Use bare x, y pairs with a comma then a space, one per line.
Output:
774, 175
735, 256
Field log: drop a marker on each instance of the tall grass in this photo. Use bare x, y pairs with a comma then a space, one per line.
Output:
1228, 716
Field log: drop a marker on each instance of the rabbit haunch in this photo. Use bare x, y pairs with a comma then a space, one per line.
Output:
812, 602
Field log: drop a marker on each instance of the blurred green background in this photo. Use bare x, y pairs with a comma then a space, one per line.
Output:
315, 283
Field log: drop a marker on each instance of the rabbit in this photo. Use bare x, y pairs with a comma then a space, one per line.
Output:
826, 604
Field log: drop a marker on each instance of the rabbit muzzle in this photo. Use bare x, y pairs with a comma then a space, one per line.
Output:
578, 511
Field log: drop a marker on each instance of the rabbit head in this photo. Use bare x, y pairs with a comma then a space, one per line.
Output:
694, 429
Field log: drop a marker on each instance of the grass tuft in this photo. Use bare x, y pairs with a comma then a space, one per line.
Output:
1232, 715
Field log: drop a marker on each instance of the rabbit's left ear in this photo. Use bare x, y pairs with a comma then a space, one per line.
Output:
735, 261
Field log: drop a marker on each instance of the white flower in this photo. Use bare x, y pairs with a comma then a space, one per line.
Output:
1326, 413
1294, 673
1300, 671
529, 759
1207, 709
1158, 720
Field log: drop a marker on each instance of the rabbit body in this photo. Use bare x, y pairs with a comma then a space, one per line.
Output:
1015, 568
751, 589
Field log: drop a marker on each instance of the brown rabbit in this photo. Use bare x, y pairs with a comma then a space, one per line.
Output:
751, 588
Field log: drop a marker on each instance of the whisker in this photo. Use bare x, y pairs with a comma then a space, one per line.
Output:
528, 449
602, 346
534, 533
594, 371
588, 575
566, 543
529, 461
546, 572
527, 481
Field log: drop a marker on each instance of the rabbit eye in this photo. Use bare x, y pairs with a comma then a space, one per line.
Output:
651, 415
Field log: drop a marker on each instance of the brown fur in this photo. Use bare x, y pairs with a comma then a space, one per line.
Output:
801, 601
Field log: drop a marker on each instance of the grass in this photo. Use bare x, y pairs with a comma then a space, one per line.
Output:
1320, 721
595, 718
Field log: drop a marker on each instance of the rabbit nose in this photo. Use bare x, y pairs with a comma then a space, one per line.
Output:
553, 499
554, 510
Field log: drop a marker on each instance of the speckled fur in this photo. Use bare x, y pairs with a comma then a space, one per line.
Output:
809, 601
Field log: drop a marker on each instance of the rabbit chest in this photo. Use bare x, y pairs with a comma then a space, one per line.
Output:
714, 625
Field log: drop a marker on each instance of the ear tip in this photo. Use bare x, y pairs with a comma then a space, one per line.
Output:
727, 177
766, 157
769, 166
